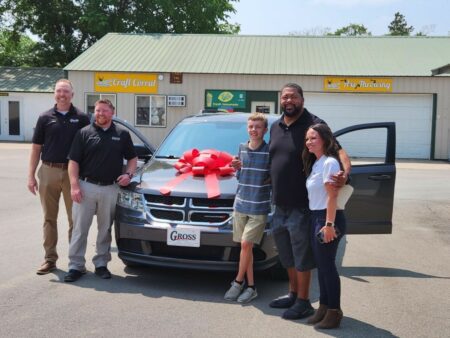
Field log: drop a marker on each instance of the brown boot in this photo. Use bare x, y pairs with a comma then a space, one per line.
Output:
319, 315
46, 268
331, 320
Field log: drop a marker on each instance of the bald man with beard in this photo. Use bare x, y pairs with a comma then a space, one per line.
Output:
291, 226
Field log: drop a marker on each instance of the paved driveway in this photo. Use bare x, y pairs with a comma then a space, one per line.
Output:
393, 285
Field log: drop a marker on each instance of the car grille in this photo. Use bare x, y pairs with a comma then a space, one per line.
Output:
192, 211
167, 214
209, 217
212, 203
205, 252
166, 200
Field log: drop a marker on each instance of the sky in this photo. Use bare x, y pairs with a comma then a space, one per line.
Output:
312, 17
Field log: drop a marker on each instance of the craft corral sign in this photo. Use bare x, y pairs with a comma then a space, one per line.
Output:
126, 83
356, 84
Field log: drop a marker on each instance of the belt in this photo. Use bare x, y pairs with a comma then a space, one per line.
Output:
87, 179
55, 165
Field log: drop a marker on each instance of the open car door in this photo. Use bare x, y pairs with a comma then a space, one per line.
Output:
144, 149
371, 147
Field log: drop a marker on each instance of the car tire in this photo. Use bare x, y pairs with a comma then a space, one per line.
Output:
278, 272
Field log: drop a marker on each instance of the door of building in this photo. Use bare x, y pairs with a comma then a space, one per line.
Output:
10, 120
267, 107
412, 113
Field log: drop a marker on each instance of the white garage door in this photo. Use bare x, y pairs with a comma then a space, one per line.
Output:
412, 114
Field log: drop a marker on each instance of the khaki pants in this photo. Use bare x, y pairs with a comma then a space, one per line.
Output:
53, 182
100, 201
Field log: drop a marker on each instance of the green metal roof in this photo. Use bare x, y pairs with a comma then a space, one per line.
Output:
39, 80
281, 55
444, 70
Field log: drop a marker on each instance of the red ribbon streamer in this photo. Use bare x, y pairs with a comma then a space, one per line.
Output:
208, 163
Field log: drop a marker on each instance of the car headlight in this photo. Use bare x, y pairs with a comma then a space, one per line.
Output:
131, 200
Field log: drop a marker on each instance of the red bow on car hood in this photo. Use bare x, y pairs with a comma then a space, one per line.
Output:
208, 163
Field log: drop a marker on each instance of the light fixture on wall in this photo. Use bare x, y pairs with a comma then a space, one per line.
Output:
160, 77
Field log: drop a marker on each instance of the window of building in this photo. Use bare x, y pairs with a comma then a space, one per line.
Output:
92, 98
176, 100
151, 110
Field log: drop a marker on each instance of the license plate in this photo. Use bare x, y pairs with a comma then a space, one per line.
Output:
183, 237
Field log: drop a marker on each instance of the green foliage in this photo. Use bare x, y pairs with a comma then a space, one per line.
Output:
314, 31
399, 26
16, 49
68, 27
352, 29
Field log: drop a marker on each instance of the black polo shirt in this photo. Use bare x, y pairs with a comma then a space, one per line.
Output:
286, 166
55, 132
100, 153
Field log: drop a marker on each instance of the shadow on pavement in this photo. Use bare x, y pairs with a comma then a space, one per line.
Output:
204, 286
355, 273
351, 327
201, 286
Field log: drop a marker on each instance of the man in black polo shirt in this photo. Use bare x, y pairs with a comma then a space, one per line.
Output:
96, 172
291, 227
53, 135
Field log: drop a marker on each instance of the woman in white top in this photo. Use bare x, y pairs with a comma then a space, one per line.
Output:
321, 160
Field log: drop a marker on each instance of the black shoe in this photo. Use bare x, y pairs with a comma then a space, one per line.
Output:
103, 272
73, 275
301, 309
284, 302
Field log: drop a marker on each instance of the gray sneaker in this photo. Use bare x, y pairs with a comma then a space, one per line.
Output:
234, 291
247, 295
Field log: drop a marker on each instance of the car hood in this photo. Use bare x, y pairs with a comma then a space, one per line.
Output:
159, 172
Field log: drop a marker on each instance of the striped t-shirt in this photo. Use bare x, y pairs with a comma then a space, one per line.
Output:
253, 192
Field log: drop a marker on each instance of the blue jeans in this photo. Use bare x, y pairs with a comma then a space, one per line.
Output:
325, 256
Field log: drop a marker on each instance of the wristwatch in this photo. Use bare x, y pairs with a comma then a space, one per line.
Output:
329, 224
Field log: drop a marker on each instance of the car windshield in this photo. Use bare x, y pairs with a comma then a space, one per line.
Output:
221, 135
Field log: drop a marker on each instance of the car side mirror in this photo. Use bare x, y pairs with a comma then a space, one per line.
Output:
143, 153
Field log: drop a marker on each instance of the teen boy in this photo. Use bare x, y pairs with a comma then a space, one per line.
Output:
251, 206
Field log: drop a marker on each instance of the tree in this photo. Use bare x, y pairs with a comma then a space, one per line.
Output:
399, 26
426, 30
16, 49
66, 28
352, 29
315, 31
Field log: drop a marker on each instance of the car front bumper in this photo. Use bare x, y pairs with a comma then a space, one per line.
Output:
141, 241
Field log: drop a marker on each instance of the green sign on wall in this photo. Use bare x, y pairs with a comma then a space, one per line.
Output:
225, 99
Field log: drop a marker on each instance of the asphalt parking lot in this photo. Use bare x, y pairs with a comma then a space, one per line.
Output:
392, 285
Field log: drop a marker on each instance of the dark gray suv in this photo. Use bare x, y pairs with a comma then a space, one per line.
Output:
184, 228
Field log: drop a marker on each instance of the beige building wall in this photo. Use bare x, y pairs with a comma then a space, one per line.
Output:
31, 106
194, 86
